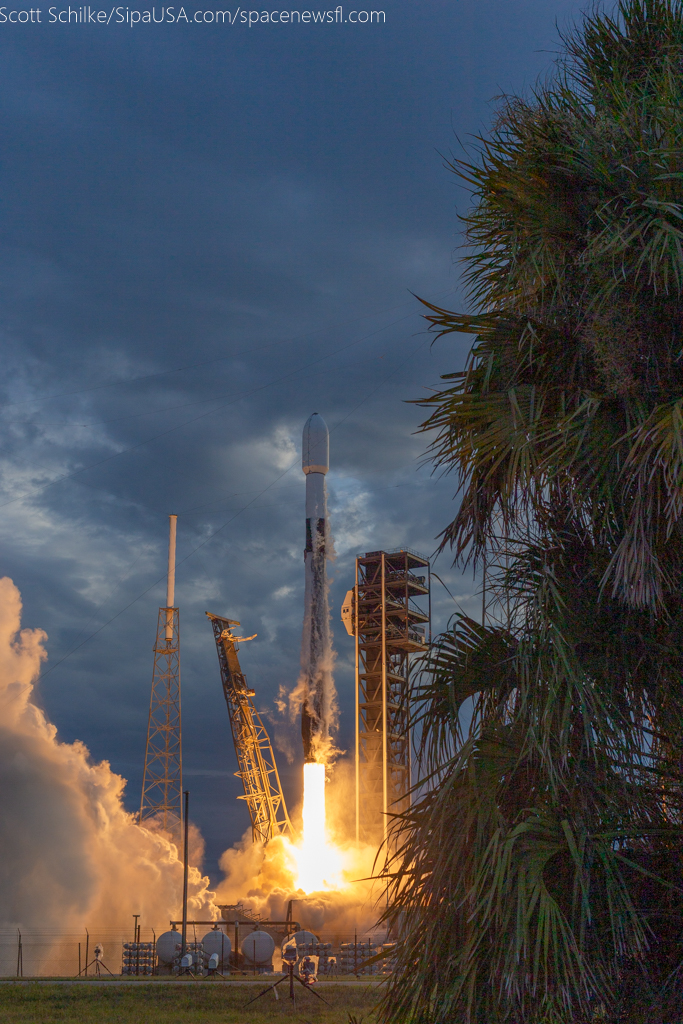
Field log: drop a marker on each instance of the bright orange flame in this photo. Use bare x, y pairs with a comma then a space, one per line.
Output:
319, 863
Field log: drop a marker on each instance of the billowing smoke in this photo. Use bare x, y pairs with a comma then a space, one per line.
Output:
264, 879
72, 857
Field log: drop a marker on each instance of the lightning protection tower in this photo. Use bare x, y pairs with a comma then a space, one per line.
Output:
162, 782
389, 613
258, 770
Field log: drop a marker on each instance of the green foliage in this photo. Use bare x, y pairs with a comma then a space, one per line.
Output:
538, 877
573, 390
542, 869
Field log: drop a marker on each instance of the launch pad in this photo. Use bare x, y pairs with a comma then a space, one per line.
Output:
389, 614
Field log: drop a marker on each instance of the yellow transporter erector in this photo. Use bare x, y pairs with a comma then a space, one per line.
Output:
257, 767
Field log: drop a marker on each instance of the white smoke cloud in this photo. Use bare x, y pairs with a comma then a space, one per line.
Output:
72, 857
264, 880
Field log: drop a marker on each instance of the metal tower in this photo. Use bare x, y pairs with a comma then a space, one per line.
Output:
383, 613
162, 782
258, 771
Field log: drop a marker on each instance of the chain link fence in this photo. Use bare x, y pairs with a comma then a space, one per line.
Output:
27, 954
30, 955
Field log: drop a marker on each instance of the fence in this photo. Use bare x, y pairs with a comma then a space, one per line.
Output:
29, 954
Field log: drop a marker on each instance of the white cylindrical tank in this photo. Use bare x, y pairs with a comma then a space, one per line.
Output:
257, 948
299, 938
166, 946
217, 942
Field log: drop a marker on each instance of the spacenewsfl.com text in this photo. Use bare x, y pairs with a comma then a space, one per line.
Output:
181, 16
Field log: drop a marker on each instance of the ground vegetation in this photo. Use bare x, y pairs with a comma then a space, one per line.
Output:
191, 1003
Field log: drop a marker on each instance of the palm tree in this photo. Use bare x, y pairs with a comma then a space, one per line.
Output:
539, 875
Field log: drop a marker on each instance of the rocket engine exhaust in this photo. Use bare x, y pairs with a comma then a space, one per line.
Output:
318, 695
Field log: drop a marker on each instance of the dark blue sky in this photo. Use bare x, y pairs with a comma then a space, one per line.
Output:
208, 233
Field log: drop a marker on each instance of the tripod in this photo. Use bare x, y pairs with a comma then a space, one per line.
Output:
292, 978
98, 965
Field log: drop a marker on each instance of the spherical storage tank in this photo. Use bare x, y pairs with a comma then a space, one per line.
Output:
166, 946
218, 942
257, 948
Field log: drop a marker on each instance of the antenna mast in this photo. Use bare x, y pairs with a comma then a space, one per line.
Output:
162, 781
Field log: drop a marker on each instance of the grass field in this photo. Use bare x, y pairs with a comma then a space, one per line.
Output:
33, 1003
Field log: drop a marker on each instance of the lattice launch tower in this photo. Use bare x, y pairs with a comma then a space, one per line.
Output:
162, 782
389, 613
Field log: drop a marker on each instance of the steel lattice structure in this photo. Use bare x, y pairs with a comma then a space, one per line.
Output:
162, 784
390, 626
257, 767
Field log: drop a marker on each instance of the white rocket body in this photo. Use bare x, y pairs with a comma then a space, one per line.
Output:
317, 645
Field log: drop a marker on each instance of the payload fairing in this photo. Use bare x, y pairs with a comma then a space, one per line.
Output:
317, 654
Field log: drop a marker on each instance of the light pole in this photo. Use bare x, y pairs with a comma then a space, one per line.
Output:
186, 815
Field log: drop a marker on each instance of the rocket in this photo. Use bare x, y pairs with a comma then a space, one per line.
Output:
317, 646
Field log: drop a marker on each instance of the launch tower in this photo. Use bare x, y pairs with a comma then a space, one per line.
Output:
258, 770
389, 613
162, 781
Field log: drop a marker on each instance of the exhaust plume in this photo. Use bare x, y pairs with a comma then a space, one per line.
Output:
72, 856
